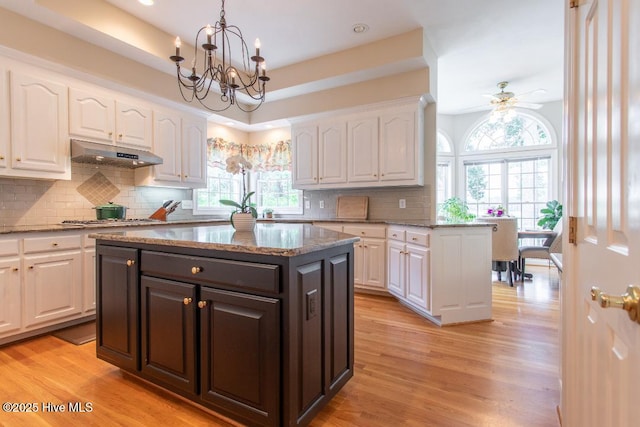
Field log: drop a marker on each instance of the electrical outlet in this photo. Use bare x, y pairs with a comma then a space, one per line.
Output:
321, 204
307, 204
402, 204
187, 204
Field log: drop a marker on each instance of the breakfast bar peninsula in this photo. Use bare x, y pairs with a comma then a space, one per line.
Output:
257, 326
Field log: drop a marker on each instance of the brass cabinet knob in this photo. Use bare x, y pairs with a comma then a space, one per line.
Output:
31, 267
54, 244
130, 262
414, 238
374, 175
110, 134
15, 269
202, 304
196, 270
18, 159
186, 176
1, 157
187, 301
629, 301
119, 136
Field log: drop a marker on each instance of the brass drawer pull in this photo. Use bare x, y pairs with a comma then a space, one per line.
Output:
187, 301
196, 270
130, 262
202, 304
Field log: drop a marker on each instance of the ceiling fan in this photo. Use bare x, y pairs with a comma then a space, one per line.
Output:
504, 100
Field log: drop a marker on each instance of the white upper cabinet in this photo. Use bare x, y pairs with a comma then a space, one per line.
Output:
181, 142
304, 143
378, 148
363, 149
39, 127
104, 119
398, 150
4, 119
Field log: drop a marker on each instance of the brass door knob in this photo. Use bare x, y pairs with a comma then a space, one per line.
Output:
1, 157
15, 269
18, 159
187, 301
54, 244
629, 301
196, 270
202, 304
130, 262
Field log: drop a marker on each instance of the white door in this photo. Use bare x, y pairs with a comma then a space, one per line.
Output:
304, 144
396, 273
418, 276
397, 146
194, 152
374, 263
91, 115
362, 140
601, 347
167, 145
4, 119
134, 125
10, 301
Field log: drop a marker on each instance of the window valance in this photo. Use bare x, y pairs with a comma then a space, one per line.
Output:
263, 157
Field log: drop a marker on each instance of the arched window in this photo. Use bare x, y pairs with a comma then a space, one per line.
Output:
510, 164
444, 168
522, 131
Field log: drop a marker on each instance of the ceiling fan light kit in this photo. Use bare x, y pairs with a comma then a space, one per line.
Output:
218, 67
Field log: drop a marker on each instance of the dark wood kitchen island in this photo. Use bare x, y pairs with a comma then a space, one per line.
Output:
257, 327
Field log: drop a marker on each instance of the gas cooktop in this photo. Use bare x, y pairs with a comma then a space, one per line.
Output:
111, 221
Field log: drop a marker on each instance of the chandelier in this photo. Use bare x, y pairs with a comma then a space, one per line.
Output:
218, 69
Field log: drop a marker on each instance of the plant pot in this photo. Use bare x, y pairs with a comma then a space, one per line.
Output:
243, 221
110, 211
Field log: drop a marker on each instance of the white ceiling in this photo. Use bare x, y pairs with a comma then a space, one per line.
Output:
478, 42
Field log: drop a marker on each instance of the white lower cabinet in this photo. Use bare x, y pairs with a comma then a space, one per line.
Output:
369, 256
409, 276
46, 279
10, 289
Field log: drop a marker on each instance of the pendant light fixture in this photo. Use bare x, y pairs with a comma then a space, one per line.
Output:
220, 70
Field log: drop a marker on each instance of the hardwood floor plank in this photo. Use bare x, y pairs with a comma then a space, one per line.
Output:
408, 372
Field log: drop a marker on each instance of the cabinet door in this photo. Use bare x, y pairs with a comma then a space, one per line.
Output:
418, 276
91, 115
362, 140
168, 329
166, 144
332, 153
89, 280
397, 146
396, 268
4, 119
134, 126
305, 156
53, 286
10, 301
194, 152
374, 264
358, 263
117, 315
240, 355
39, 124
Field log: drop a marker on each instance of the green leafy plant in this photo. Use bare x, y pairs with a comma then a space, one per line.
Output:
455, 210
239, 164
243, 207
550, 215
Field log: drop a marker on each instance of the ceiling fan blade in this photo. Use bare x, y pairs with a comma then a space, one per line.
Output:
529, 105
538, 91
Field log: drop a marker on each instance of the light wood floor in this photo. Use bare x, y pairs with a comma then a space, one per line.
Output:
408, 372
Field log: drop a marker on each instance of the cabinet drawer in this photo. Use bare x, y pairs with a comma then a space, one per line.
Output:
366, 230
418, 238
9, 247
193, 269
395, 233
47, 244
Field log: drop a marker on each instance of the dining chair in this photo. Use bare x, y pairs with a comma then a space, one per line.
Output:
504, 245
543, 251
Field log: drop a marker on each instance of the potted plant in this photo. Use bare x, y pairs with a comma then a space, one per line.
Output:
268, 213
243, 218
455, 210
550, 215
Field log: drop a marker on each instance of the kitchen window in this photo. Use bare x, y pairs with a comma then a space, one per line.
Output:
270, 177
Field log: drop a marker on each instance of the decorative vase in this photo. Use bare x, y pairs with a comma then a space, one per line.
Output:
243, 221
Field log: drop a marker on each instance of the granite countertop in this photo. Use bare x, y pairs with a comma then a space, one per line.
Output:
8, 229
268, 238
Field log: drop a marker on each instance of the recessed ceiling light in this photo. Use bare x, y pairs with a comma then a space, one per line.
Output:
360, 28
146, 2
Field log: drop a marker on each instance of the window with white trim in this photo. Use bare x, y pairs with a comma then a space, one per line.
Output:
444, 169
510, 165
270, 178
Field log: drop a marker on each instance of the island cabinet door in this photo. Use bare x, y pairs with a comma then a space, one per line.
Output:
240, 355
168, 329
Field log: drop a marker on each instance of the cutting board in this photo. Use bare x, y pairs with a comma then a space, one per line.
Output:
352, 207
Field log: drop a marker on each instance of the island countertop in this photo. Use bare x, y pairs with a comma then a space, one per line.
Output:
280, 239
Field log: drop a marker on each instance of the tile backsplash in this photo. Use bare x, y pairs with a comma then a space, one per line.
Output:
34, 202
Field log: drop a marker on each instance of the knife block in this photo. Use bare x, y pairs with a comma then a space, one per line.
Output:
160, 214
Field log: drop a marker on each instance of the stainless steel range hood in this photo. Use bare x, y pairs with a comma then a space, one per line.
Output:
91, 152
